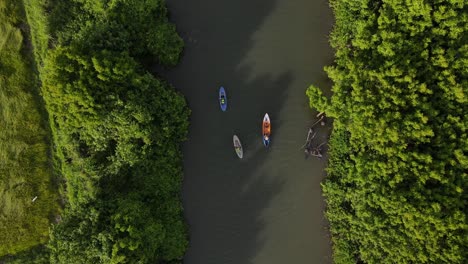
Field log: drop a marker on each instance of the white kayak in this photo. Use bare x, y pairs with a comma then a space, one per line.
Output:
238, 146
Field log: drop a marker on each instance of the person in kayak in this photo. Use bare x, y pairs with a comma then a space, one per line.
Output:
222, 99
236, 146
267, 130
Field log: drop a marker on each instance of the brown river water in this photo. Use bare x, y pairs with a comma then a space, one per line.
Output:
268, 207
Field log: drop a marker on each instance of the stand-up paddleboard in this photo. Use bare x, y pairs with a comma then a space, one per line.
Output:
266, 130
238, 146
222, 99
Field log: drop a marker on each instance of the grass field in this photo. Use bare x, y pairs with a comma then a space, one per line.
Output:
25, 166
37, 21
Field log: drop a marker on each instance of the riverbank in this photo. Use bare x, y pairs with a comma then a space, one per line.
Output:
397, 169
116, 129
28, 197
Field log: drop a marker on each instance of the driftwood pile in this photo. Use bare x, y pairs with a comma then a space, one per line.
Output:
309, 148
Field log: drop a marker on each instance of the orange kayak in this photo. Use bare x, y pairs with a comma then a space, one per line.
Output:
266, 130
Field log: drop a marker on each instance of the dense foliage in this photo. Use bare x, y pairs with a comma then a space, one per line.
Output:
397, 178
116, 128
25, 170
35, 255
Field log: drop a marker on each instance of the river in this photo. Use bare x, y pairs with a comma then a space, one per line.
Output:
268, 207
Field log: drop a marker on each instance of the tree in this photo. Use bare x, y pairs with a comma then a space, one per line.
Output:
397, 166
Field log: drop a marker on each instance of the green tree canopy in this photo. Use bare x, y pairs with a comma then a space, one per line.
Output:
397, 178
117, 132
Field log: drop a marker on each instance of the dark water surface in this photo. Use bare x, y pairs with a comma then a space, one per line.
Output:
268, 207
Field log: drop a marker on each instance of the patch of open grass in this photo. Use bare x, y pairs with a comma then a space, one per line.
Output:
25, 166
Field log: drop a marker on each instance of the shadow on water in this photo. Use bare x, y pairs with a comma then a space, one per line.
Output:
224, 197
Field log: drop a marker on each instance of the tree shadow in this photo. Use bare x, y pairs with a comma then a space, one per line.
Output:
227, 201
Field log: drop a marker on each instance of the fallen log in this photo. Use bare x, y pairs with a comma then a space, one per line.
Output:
310, 135
318, 121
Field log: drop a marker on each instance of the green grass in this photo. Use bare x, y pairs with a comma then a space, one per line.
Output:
25, 166
37, 21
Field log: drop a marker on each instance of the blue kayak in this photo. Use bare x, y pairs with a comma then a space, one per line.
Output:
222, 99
